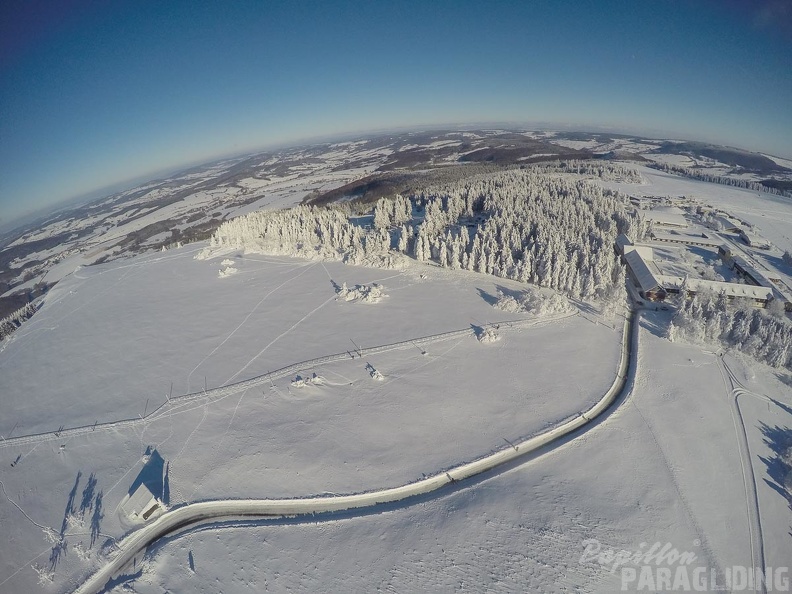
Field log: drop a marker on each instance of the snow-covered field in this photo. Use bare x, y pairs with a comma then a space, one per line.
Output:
689, 458
665, 468
134, 328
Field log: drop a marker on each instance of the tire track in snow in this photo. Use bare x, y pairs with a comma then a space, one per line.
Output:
736, 389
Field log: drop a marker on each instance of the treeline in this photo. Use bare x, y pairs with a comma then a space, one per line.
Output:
307, 232
528, 224
11, 322
719, 179
762, 334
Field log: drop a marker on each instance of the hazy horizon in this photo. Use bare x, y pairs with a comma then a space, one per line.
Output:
100, 96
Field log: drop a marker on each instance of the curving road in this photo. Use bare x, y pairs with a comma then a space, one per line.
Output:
196, 513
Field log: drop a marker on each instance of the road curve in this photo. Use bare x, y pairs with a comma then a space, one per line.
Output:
195, 513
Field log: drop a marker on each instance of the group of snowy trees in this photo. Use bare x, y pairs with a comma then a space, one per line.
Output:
553, 230
533, 301
549, 230
14, 321
602, 170
304, 231
762, 334
718, 179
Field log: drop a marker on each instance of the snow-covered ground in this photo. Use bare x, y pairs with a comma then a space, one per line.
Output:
104, 349
688, 459
770, 213
665, 468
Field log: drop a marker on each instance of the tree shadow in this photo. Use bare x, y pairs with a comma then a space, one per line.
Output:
655, 323
782, 406
56, 553
477, 330
96, 517
779, 464
122, 579
88, 494
488, 297
778, 263
583, 306
516, 293
70, 504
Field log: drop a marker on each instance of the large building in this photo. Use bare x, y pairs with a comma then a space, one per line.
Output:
666, 216
754, 240
653, 285
754, 276
726, 223
141, 505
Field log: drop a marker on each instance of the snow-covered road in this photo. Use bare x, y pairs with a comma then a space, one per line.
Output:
196, 513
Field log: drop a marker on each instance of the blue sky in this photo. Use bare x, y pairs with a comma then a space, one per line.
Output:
93, 93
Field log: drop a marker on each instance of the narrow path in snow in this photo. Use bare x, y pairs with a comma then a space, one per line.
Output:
178, 404
736, 389
306, 268
210, 511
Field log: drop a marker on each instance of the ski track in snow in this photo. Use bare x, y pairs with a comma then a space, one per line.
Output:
678, 489
217, 444
735, 389
306, 268
22, 511
189, 402
136, 267
277, 338
175, 491
26, 564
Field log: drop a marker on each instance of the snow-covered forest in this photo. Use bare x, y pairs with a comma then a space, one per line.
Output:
762, 334
531, 225
14, 321
719, 179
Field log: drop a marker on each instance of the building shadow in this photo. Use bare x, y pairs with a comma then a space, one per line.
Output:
152, 475
70, 504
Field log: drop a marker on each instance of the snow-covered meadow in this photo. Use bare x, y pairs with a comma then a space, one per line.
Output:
665, 468
383, 382
440, 401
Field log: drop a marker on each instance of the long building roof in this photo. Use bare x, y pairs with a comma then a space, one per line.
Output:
645, 276
728, 289
667, 215
649, 278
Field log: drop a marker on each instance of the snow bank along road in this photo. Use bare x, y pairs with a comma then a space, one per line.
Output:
196, 513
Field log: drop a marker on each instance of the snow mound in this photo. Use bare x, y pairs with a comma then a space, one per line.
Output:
227, 271
372, 293
487, 335
227, 262
301, 382
533, 302
375, 373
